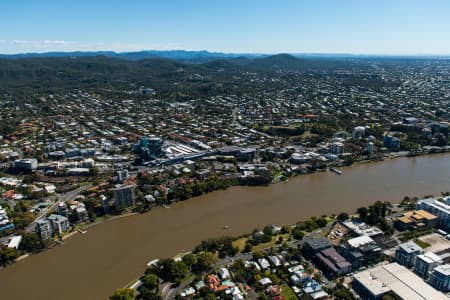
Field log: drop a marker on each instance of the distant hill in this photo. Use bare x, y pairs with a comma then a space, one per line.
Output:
221, 64
68, 68
284, 62
46, 73
193, 73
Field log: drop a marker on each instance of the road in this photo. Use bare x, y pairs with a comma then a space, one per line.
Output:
168, 293
61, 197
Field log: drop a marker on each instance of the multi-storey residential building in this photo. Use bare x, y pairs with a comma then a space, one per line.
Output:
122, 175
358, 132
62, 209
336, 148
440, 278
124, 195
59, 223
105, 203
81, 213
425, 263
407, 252
44, 228
369, 148
27, 164
391, 142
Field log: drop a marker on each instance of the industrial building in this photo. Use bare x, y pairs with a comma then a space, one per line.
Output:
374, 283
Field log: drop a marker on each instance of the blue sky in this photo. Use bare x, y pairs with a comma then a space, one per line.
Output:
258, 26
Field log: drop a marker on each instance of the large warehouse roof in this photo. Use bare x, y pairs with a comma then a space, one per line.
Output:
400, 280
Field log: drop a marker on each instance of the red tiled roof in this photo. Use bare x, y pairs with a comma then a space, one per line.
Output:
9, 194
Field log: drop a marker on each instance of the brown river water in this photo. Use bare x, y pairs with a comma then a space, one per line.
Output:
112, 254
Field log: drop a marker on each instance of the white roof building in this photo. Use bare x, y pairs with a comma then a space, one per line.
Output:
263, 263
361, 228
224, 273
426, 262
14, 242
393, 277
265, 281
275, 260
360, 241
188, 292
236, 293
438, 208
296, 268
247, 264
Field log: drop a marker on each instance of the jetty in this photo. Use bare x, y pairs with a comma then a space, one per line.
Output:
339, 172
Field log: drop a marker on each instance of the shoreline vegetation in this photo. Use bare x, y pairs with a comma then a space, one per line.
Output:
106, 218
220, 251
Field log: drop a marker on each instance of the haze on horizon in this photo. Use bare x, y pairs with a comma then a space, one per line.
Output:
401, 27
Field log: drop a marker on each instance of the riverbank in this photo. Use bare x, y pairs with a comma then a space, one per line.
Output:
84, 227
106, 218
114, 252
73, 233
285, 234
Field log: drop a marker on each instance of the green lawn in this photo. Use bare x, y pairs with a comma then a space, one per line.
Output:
240, 243
422, 244
265, 245
287, 292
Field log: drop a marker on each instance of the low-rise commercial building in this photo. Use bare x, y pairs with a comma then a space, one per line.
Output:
360, 250
333, 262
416, 219
360, 228
313, 246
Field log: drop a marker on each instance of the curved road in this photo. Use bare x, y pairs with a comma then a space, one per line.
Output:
61, 197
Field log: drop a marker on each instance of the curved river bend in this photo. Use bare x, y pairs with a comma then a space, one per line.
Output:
111, 254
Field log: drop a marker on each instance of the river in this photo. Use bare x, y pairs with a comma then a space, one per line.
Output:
111, 254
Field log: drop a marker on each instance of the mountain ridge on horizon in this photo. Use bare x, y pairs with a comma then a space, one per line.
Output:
198, 56
195, 56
